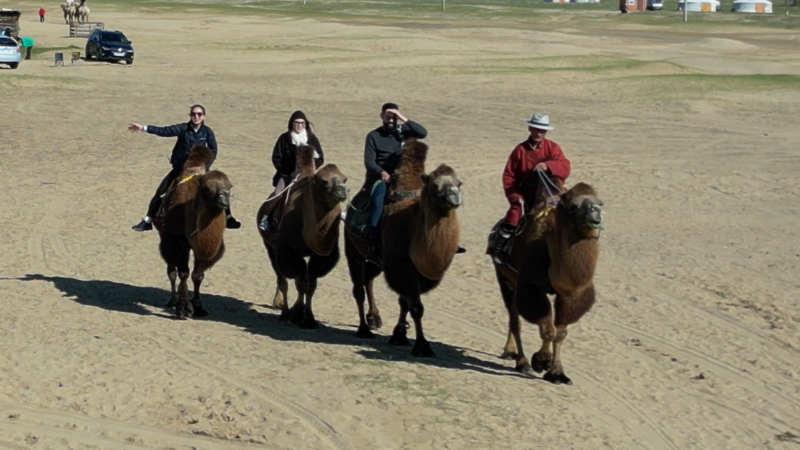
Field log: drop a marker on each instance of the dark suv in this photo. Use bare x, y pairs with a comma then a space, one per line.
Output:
109, 45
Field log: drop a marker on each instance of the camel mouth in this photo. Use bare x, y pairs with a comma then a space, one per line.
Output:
224, 200
340, 193
594, 218
453, 197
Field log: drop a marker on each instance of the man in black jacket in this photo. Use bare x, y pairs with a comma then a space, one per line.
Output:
382, 151
189, 134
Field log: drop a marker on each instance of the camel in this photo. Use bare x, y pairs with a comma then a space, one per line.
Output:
309, 228
420, 235
194, 220
70, 12
82, 13
556, 253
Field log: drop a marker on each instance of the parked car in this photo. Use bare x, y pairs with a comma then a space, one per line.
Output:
655, 5
109, 46
9, 52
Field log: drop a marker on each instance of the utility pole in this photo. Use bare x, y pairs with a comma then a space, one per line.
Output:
685, 10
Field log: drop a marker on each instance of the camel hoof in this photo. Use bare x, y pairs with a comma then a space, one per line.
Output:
364, 332
310, 324
374, 321
422, 349
509, 355
183, 312
557, 378
541, 363
401, 340
199, 311
525, 370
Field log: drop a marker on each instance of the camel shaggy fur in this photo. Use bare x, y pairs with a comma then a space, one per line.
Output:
309, 229
420, 236
194, 220
556, 254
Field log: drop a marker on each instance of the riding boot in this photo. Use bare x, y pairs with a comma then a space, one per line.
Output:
504, 233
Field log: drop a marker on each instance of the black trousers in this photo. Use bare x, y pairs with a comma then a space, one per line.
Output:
155, 202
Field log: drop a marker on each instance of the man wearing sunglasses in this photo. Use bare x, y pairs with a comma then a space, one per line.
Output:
189, 134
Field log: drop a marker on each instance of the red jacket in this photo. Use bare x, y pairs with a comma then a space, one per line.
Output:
41, 11
520, 178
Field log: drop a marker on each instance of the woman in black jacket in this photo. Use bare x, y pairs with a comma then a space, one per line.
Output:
284, 154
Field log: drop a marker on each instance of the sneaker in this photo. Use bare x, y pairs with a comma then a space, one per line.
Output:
233, 224
142, 226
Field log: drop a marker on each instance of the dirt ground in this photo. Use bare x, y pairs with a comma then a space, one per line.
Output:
693, 342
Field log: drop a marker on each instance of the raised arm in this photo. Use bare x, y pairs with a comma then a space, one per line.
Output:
413, 129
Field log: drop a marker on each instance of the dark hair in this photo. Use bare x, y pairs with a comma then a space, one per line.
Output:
388, 106
300, 115
198, 105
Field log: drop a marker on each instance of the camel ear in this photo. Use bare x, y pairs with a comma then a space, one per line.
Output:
425, 178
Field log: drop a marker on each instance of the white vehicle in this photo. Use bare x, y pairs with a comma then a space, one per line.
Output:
9, 52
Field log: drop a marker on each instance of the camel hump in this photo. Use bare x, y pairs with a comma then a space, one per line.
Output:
415, 151
305, 161
199, 155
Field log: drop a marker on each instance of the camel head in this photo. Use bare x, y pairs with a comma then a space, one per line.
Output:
215, 190
329, 182
199, 156
443, 188
581, 209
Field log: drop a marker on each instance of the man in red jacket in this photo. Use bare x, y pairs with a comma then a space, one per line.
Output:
520, 179
41, 14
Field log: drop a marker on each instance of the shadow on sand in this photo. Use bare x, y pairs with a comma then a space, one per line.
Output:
121, 297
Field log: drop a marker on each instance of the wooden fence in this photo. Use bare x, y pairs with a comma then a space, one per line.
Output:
84, 29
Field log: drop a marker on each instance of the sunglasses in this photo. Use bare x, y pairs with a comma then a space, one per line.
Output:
196, 114
299, 122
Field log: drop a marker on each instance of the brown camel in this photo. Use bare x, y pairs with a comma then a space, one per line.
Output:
420, 234
555, 252
82, 14
70, 12
194, 220
308, 228
411, 167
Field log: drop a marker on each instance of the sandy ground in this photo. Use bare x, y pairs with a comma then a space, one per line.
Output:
693, 342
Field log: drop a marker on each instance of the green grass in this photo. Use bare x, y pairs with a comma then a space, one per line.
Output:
37, 51
518, 13
703, 86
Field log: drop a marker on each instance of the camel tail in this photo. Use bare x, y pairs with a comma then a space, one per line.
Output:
305, 161
199, 156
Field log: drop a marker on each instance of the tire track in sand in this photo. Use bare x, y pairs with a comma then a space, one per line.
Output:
97, 432
314, 424
47, 230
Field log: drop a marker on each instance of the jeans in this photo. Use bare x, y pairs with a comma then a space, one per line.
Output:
377, 200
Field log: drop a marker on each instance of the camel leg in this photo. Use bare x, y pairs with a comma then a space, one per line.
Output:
568, 311
282, 289
172, 274
198, 274
309, 321
373, 316
183, 307
400, 332
422, 348
297, 312
357, 268
510, 349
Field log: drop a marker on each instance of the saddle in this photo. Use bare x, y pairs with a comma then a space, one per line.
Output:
540, 210
356, 217
185, 176
275, 207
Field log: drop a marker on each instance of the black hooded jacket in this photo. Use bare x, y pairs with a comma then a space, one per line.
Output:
187, 137
284, 154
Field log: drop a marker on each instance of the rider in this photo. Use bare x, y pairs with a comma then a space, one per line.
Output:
189, 134
382, 151
520, 179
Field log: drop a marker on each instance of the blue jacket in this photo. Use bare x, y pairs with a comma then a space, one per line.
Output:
187, 137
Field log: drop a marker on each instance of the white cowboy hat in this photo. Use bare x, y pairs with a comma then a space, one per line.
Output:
540, 121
